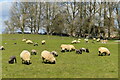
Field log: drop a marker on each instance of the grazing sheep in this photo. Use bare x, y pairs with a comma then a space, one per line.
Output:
24, 40
12, 60
86, 40
54, 53
2, 48
74, 41
43, 42
85, 49
29, 42
48, 57
104, 41
98, 40
78, 51
35, 44
33, 52
103, 51
94, 39
25, 57
67, 48
79, 39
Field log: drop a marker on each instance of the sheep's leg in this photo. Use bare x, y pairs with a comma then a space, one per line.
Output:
43, 59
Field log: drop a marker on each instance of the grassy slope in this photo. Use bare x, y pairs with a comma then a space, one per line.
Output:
69, 64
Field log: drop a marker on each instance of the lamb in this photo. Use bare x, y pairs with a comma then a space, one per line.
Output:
54, 53
25, 57
103, 51
43, 42
84, 50
48, 57
12, 60
2, 48
29, 42
78, 51
35, 44
33, 52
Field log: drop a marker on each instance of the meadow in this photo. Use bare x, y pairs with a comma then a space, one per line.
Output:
68, 65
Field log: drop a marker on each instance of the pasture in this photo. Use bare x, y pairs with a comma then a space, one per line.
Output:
68, 65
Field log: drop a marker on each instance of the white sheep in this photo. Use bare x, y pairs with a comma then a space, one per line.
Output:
25, 57
29, 42
24, 40
74, 41
33, 51
94, 39
47, 57
79, 39
43, 42
2, 48
104, 41
67, 47
98, 40
86, 40
103, 51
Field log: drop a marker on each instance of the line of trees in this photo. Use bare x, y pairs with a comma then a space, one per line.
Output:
73, 18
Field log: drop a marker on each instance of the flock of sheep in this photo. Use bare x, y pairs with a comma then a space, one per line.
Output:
49, 57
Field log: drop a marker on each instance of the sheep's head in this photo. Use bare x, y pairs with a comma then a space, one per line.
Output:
27, 62
87, 50
54, 53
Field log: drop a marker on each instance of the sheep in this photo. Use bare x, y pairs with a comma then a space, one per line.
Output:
48, 57
35, 44
74, 41
25, 57
84, 50
2, 48
104, 41
94, 39
98, 40
78, 51
103, 51
67, 48
54, 53
33, 52
29, 42
79, 39
86, 40
24, 40
43, 42
12, 60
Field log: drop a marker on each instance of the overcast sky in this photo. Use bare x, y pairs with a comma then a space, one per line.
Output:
4, 12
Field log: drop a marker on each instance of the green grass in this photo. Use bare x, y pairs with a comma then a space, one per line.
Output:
68, 65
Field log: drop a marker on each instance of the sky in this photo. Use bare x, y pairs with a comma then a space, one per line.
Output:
4, 12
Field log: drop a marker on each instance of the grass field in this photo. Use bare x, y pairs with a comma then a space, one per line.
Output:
68, 65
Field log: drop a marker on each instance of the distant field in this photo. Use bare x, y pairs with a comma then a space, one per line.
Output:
68, 65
